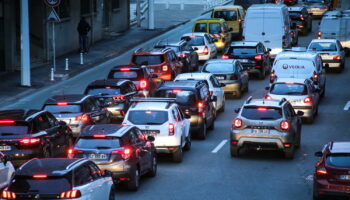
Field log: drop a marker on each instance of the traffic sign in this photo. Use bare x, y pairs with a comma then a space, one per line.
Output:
52, 3
53, 16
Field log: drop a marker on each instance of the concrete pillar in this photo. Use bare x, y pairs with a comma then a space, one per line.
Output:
25, 48
151, 14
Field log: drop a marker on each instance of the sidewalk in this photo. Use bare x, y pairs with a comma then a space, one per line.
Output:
165, 19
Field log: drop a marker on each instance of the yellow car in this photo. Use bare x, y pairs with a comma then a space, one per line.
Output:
234, 17
218, 30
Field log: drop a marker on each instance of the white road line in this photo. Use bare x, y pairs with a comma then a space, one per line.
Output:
347, 106
217, 148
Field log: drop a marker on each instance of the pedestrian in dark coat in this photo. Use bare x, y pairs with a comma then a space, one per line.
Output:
83, 29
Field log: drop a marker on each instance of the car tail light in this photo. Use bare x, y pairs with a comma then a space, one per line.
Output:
8, 195
205, 50
125, 69
258, 67
176, 91
287, 145
200, 107
300, 26
321, 171
119, 98
125, 153
83, 118
165, 68
234, 142
62, 103
267, 97
314, 78
7, 121
262, 109
302, 17
237, 123
40, 176
319, 34
285, 125
225, 56
308, 100
336, 58
171, 129
72, 151
234, 77
273, 76
30, 141
258, 57
143, 84
72, 194
99, 136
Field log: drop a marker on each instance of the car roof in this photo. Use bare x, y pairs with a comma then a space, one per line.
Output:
108, 82
295, 8
209, 20
150, 106
194, 33
298, 55
340, 147
266, 6
19, 114
290, 80
245, 43
262, 102
49, 166
105, 129
332, 14
152, 51
232, 61
323, 40
164, 44
131, 67
195, 76
228, 7
69, 98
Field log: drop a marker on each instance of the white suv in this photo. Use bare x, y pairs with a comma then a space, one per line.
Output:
161, 118
215, 88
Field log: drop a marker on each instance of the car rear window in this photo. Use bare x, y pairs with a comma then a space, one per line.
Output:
228, 15
13, 130
242, 51
148, 117
295, 15
63, 109
50, 185
148, 59
261, 113
93, 143
103, 91
214, 28
129, 75
323, 46
288, 89
339, 160
194, 40
219, 68
200, 27
187, 97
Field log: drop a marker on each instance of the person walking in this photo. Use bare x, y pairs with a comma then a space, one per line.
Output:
83, 29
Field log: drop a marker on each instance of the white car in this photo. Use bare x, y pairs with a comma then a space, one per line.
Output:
204, 44
161, 118
215, 88
7, 171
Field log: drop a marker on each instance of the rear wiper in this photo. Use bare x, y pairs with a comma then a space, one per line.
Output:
152, 123
65, 112
103, 147
293, 92
104, 94
266, 118
244, 53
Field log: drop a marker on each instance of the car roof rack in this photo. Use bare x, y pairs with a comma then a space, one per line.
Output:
249, 100
282, 101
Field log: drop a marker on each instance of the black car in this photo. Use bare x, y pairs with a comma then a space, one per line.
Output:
146, 82
301, 18
253, 56
194, 99
32, 134
188, 55
114, 95
77, 110
123, 150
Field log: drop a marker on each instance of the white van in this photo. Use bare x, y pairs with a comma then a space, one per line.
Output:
269, 24
305, 65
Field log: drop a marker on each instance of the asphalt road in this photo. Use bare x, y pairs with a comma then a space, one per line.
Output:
207, 175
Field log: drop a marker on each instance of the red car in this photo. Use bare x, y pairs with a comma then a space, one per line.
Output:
332, 173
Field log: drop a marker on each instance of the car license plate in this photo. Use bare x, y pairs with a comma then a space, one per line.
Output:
97, 156
260, 131
344, 177
5, 148
243, 60
150, 132
220, 77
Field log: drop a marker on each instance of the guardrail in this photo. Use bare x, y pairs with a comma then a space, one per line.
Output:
143, 8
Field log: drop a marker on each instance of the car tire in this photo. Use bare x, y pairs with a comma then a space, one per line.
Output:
289, 153
153, 170
234, 150
134, 183
178, 155
188, 143
212, 126
202, 132
112, 193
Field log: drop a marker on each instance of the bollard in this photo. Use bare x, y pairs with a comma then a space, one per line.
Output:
81, 58
182, 6
52, 75
67, 64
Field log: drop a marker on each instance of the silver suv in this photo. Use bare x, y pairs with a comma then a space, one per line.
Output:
266, 125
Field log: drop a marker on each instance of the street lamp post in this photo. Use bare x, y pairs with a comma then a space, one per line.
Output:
25, 48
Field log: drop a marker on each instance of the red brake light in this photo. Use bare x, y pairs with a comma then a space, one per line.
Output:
258, 57
336, 58
225, 56
118, 97
302, 17
107, 87
262, 109
72, 151
29, 141
234, 77
7, 121
40, 176
289, 83
125, 153
171, 129
176, 91
83, 118
124, 124
321, 171
99, 136
205, 50
308, 100
267, 97
62, 103
200, 105
237, 123
8, 195
125, 69
72, 194
211, 93
143, 84
285, 125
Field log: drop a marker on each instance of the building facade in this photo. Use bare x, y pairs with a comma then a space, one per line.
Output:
104, 16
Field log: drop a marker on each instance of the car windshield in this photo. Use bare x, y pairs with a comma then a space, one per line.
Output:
103, 91
242, 51
323, 46
92, 143
339, 160
262, 113
200, 27
63, 109
195, 40
214, 28
219, 68
288, 89
150, 117
128, 75
13, 130
226, 15
148, 59
50, 185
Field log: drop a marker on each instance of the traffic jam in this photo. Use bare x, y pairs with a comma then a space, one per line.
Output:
168, 98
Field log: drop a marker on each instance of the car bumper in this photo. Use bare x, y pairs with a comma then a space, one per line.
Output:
308, 111
167, 149
196, 122
232, 88
316, 13
167, 141
118, 169
117, 112
203, 57
323, 187
19, 157
332, 64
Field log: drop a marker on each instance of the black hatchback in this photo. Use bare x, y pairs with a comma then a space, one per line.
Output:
32, 134
253, 56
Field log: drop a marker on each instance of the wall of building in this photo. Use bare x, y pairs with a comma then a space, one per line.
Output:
119, 16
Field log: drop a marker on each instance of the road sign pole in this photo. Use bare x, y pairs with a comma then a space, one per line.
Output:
151, 14
53, 47
25, 44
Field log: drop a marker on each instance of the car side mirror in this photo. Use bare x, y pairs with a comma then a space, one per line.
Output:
62, 123
222, 84
300, 113
187, 116
195, 48
214, 98
318, 154
150, 138
237, 110
107, 173
267, 88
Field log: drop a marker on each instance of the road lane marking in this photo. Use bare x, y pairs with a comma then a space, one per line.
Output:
347, 106
217, 148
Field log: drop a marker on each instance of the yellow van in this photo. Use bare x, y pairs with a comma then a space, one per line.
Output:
218, 30
234, 17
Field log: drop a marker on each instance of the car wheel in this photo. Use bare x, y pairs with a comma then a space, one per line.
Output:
289, 153
177, 155
202, 132
153, 170
212, 126
134, 183
234, 150
112, 194
188, 143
